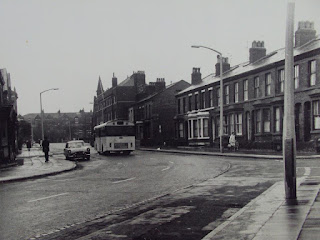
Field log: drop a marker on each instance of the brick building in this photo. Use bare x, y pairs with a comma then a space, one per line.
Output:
150, 106
114, 102
253, 98
153, 115
8, 119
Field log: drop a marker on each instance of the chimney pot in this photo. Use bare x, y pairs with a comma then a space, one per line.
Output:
257, 51
225, 65
305, 33
196, 76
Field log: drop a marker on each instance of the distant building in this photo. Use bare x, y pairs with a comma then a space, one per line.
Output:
8, 119
113, 103
61, 127
150, 106
253, 98
153, 115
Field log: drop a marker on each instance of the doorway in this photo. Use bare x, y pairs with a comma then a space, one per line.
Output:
307, 121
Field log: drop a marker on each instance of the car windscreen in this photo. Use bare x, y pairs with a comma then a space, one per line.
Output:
75, 145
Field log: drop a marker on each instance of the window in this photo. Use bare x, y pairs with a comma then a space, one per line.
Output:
76, 120
199, 128
258, 121
231, 117
312, 72
225, 124
206, 127
196, 99
226, 93
296, 76
210, 98
268, 84
195, 128
184, 109
277, 119
280, 81
266, 120
179, 108
238, 118
256, 87
190, 130
190, 102
236, 92
316, 114
203, 98
181, 132
245, 90
218, 96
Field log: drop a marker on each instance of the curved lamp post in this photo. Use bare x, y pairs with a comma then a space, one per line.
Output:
41, 111
221, 92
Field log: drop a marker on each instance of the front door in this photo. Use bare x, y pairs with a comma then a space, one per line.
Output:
307, 121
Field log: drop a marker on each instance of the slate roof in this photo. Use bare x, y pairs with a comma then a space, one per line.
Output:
246, 67
156, 93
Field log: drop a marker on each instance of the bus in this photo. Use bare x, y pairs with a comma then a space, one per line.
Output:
115, 136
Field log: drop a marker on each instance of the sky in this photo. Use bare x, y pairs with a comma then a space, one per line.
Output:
63, 44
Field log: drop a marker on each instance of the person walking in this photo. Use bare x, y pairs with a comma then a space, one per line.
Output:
45, 148
232, 141
29, 145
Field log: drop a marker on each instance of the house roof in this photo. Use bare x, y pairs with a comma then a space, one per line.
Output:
166, 88
246, 67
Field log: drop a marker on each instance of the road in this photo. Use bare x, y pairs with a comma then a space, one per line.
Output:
108, 183
99, 186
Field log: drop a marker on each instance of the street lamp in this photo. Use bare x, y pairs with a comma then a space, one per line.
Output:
221, 93
41, 112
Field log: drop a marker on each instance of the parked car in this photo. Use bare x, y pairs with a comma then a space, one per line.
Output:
77, 150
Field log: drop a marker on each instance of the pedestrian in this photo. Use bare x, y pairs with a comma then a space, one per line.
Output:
29, 145
232, 141
45, 148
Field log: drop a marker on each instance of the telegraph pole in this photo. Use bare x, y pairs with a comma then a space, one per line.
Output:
289, 135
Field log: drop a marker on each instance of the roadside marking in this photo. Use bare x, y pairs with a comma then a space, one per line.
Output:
125, 180
165, 169
39, 199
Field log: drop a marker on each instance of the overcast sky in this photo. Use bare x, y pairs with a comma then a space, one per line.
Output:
69, 44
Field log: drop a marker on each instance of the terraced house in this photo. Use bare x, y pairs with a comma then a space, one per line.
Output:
253, 98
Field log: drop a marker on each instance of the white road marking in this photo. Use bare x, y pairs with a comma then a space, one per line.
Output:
39, 199
165, 169
125, 180
307, 171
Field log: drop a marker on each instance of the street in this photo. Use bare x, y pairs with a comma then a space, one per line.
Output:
109, 183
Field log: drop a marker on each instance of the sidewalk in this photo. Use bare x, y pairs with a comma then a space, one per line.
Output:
34, 166
243, 153
270, 216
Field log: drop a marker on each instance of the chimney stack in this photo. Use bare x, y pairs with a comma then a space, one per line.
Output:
305, 33
257, 51
195, 76
225, 65
160, 84
114, 81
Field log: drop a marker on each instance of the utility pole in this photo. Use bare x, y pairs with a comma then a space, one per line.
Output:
289, 135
